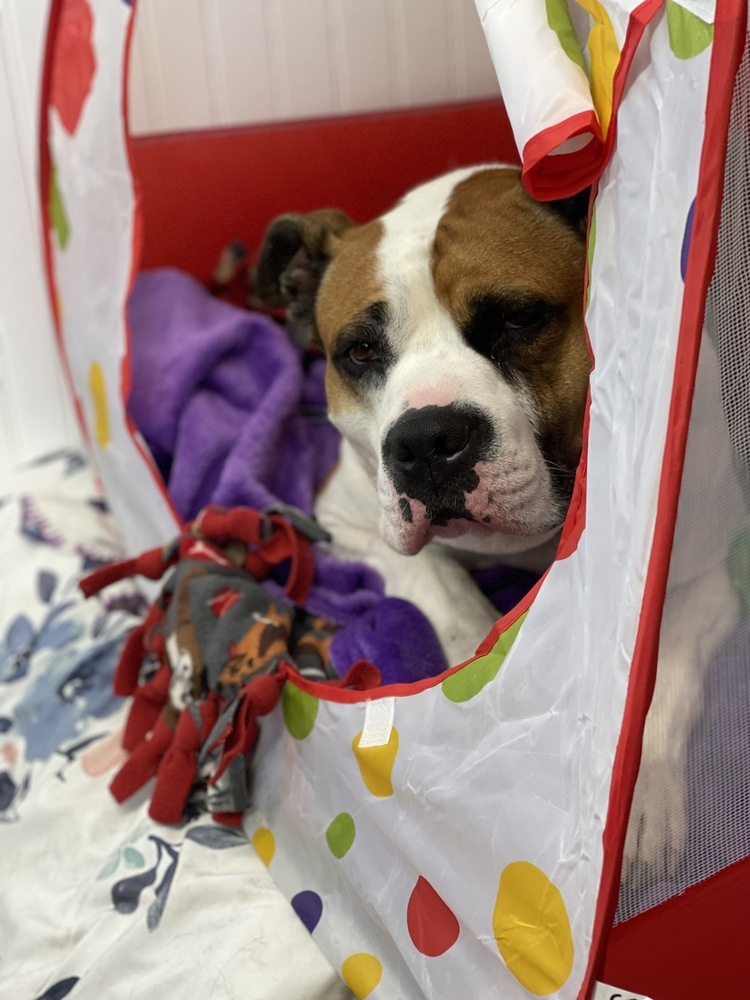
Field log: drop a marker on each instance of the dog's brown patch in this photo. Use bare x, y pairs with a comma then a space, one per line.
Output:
494, 239
351, 284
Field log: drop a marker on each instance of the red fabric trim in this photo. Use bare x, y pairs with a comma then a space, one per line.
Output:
325, 691
45, 175
560, 176
725, 57
549, 177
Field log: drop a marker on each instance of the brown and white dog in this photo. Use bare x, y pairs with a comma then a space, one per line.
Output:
457, 374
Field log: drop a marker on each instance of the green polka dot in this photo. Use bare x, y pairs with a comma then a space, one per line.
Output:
340, 834
558, 18
469, 680
688, 34
57, 214
300, 710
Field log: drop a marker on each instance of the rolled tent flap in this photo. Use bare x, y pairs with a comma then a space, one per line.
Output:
561, 69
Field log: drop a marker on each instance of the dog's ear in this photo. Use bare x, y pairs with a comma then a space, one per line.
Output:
574, 211
294, 255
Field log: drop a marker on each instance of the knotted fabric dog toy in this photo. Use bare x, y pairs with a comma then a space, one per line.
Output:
213, 654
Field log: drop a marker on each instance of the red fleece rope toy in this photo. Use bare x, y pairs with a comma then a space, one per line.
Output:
213, 654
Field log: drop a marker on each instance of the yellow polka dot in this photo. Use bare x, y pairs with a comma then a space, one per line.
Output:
361, 973
98, 389
532, 929
605, 58
376, 764
264, 843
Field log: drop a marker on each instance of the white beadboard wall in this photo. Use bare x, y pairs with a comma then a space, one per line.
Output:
202, 63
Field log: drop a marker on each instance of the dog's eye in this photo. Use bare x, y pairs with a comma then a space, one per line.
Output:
520, 322
501, 326
530, 319
362, 353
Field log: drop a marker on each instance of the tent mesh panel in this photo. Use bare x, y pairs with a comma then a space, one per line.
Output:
696, 798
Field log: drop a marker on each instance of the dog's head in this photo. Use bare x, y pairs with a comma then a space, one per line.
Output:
457, 360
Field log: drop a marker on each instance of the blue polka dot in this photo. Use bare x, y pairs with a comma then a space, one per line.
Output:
685, 252
308, 906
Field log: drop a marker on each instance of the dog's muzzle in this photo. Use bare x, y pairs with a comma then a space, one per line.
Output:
430, 454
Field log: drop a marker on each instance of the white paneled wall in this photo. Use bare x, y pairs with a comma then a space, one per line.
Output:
201, 63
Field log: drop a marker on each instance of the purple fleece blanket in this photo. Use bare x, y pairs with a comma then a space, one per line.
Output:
234, 415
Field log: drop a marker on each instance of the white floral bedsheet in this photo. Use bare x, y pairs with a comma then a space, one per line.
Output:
96, 899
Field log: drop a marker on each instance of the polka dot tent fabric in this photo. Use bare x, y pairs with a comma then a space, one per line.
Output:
90, 248
471, 847
562, 117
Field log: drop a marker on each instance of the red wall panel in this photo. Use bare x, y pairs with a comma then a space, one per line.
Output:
200, 190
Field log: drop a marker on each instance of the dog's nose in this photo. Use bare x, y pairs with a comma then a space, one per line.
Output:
432, 445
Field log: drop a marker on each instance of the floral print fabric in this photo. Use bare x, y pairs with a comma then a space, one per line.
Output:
97, 899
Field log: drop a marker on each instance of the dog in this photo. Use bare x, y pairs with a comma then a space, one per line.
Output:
457, 374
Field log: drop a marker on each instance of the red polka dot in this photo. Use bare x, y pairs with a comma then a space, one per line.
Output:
74, 62
432, 925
